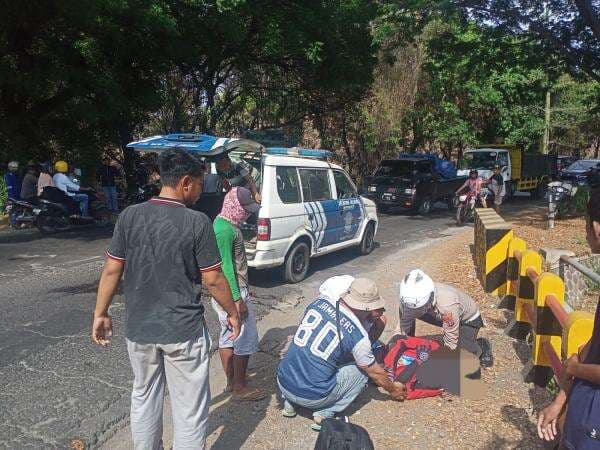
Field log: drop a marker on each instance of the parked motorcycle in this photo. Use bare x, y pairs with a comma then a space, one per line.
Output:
560, 200
143, 194
465, 209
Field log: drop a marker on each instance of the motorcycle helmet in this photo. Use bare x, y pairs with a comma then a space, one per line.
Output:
61, 166
473, 174
416, 289
13, 165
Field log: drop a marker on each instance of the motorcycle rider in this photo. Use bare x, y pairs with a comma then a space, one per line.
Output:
475, 185
13, 180
45, 178
29, 185
64, 183
496, 183
446, 306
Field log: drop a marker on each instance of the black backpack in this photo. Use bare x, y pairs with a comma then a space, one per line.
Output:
341, 435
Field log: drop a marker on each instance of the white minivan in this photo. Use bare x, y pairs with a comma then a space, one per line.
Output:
310, 207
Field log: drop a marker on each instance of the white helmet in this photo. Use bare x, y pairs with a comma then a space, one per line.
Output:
333, 288
13, 165
416, 289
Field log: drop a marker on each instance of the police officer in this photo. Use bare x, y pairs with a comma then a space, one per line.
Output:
446, 306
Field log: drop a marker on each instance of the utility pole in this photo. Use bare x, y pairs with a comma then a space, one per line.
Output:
546, 141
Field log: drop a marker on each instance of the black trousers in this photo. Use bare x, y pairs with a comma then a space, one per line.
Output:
467, 332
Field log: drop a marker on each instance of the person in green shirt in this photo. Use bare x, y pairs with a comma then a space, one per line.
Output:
238, 204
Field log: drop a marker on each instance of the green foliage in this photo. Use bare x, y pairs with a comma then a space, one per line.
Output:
3, 193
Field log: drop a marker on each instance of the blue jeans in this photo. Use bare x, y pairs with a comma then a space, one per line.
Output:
110, 192
350, 381
83, 201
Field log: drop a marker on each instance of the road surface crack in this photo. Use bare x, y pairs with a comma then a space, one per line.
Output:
66, 377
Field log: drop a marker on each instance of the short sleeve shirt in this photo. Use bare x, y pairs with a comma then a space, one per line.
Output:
310, 366
237, 174
165, 247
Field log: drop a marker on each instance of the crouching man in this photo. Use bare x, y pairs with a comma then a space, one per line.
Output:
446, 306
330, 358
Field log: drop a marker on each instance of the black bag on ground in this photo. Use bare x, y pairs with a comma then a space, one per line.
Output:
341, 435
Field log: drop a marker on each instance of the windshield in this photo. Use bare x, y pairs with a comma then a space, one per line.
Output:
478, 160
583, 165
395, 169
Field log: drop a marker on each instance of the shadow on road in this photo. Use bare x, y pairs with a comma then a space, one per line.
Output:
238, 420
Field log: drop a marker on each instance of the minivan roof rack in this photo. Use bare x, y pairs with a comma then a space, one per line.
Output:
299, 152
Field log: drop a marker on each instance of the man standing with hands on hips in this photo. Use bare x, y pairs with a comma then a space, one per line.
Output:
163, 248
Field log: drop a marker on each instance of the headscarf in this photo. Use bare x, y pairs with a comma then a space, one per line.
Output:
232, 210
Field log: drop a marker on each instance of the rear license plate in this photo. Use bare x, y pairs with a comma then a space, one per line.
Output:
387, 196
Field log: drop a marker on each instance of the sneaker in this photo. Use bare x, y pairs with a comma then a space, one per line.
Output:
475, 375
487, 358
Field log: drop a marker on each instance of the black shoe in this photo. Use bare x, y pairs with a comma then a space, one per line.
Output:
487, 358
475, 375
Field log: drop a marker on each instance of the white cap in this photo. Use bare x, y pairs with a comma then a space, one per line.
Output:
333, 288
416, 289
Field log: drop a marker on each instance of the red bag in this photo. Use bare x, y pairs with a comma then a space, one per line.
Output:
403, 358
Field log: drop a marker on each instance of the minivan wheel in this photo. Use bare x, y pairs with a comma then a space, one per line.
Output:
425, 206
297, 263
367, 244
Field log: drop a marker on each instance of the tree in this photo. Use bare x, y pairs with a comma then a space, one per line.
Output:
571, 29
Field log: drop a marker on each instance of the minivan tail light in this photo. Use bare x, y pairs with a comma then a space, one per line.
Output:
263, 229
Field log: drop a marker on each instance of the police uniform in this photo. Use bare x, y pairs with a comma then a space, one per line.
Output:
452, 309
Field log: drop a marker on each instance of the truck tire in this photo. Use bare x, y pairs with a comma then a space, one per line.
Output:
509, 190
367, 244
297, 263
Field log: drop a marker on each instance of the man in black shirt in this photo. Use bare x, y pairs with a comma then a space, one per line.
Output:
580, 392
163, 248
107, 174
496, 183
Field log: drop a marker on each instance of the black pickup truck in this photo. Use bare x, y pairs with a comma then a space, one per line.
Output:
410, 183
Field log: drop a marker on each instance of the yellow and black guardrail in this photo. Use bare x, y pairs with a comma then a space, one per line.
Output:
536, 297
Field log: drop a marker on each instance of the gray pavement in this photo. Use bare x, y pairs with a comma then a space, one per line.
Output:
55, 386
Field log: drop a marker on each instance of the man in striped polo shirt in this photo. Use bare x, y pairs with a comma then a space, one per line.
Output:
162, 248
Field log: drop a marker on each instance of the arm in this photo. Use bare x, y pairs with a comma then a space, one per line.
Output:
464, 185
406, 326
225, 235
450, 326
217, 285
380, 378
71, 186
109, 281
575, 369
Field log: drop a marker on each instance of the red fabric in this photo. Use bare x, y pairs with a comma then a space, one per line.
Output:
404, 355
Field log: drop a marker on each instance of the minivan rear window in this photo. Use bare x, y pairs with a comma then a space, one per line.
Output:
315, 185
288, 186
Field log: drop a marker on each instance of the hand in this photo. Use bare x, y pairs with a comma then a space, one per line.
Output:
398, 392
258, 197
102, 330
242, 309
234, 323
547, 420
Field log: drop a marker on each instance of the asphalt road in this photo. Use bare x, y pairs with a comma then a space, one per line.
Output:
55, 385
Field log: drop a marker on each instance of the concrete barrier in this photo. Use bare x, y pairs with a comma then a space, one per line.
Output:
492, 236
537, 298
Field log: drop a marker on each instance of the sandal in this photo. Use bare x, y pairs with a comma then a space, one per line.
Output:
250, 396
